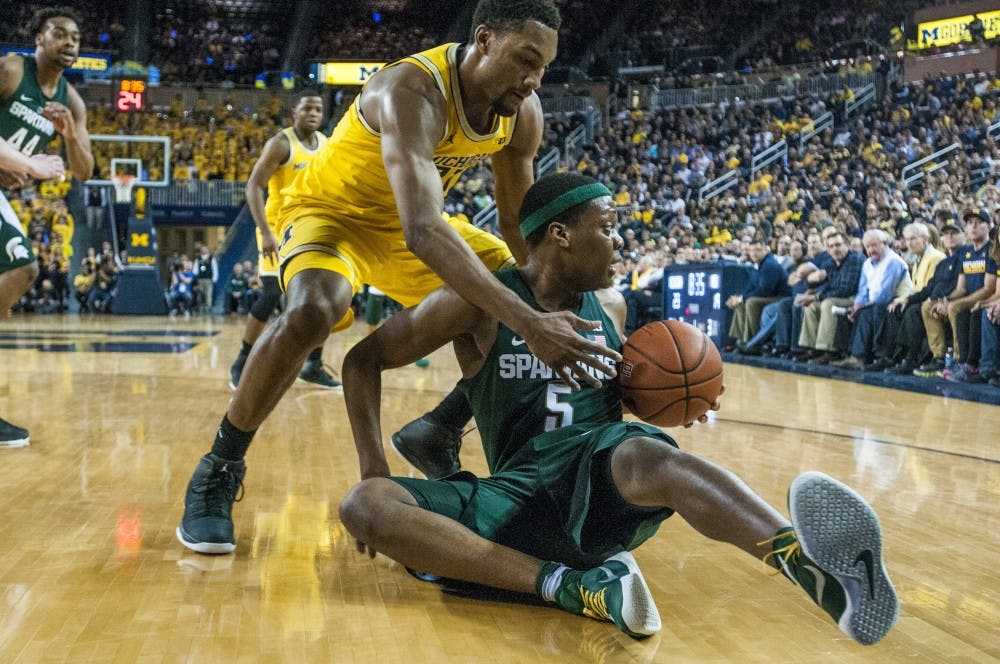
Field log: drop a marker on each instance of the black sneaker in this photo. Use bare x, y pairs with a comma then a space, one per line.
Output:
880, 364
823, 358
937, 364
749, 351
429, 447
12, 436
236, 371
904, 368
977, 377
314, 372
207, 524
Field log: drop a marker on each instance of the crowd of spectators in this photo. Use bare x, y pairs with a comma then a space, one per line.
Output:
202, 45
359, 37
192, 284
695, 40
847, 180
49, 226
103, 23
198, 43
220, 143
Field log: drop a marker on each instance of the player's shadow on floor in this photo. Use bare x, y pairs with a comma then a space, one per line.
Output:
467, 590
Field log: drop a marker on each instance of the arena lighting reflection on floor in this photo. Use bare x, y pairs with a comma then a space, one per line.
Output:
66, 341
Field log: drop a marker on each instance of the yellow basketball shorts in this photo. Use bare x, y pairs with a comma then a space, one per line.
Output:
266, 267
372, 253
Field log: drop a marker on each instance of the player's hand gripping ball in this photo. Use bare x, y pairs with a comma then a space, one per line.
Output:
670, 374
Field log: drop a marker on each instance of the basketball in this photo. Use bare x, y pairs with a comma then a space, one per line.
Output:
671, 373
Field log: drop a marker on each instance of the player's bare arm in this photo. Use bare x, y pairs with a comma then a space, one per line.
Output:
11, 70
514, 173
276, 152
39, 166
71, 124
442, 317
613, 303
410, 116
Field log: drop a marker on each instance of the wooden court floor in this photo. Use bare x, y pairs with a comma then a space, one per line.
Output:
121, 408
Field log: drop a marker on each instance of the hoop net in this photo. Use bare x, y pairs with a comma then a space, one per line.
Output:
123, 184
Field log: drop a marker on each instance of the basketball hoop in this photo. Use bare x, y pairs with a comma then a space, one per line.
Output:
123, 184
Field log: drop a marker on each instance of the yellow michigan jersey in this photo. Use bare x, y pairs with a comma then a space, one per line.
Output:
340, 213
348, 176
299, 157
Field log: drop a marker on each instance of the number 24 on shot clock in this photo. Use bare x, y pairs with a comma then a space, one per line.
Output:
131, 95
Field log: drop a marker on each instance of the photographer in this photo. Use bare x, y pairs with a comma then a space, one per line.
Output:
180, 296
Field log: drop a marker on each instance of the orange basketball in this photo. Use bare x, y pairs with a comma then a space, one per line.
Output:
671, 373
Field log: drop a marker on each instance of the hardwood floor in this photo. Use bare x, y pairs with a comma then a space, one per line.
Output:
120, 409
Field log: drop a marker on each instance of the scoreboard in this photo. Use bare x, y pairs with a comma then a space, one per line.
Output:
696, 293
130, 95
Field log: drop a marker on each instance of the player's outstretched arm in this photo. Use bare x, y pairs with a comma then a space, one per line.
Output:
39, 166
442, 317
411, 122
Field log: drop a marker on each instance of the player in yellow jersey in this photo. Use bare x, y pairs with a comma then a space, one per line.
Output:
284, 156
368, 208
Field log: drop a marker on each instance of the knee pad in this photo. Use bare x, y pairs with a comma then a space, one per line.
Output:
268, 300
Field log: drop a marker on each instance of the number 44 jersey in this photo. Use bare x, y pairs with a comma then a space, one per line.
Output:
22, 124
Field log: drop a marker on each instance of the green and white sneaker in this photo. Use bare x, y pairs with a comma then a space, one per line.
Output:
615, 592
835, 554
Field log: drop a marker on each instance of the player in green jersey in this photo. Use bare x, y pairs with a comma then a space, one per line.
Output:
570, 481
36, 103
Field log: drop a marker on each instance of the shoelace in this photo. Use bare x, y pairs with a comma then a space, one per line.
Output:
594, 604
224, 480
787, 555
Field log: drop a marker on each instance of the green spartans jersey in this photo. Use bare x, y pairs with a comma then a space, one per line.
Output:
22, 124
516, 397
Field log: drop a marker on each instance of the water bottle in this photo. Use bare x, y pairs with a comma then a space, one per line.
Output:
949, 359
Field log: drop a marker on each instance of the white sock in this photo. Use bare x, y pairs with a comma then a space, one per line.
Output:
552, 582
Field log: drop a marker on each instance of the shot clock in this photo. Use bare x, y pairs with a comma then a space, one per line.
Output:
130, 95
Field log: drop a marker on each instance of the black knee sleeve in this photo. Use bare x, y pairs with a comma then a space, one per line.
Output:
268, 300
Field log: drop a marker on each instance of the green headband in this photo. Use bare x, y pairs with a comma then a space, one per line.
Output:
552, 209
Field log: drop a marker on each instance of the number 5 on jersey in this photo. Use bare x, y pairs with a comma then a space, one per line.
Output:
561, 413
